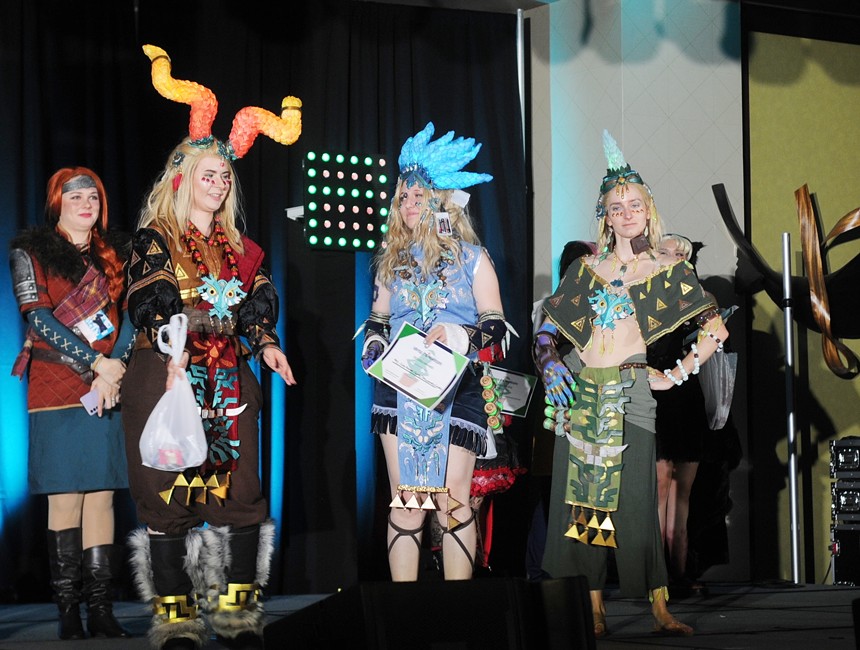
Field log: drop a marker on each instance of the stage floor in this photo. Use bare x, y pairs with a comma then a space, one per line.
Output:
730, 616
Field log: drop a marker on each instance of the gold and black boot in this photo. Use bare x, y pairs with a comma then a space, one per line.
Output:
237, 562
162, 565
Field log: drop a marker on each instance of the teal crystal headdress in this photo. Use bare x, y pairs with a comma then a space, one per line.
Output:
618, 172
438, 164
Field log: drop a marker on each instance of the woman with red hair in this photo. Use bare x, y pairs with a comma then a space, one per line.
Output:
68, 278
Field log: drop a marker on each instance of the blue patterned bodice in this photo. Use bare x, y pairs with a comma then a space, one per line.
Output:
444, 297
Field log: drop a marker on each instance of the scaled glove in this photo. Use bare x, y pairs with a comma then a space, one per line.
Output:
557, 379
374, 346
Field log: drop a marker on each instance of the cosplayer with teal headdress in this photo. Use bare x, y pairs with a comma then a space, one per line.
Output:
433, 274
609, 306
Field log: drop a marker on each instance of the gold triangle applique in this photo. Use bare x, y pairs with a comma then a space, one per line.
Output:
572, 532
653, 323
685, 288
453, 504
641, 295
666, 284
169, 266
607, 524
146, 268
154, 249
166, 494
576, 300
135, 258
593, 523
598, 540
556, 300
578, 324
683, 304
660, 305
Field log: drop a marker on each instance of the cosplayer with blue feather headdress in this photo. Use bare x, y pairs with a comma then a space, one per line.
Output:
433, 274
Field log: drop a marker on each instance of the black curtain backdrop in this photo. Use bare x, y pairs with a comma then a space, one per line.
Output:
76, 90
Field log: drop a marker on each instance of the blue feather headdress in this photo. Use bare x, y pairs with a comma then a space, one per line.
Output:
437, 164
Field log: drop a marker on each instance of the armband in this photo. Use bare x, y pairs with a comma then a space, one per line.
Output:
706, 316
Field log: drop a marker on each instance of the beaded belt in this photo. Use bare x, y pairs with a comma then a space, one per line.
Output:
632, 364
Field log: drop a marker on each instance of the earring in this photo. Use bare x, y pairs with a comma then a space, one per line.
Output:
646, 229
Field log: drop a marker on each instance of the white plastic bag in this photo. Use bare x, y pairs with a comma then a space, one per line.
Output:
173, 437
717, 378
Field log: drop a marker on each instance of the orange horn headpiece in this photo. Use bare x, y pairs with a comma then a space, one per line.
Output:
248, 123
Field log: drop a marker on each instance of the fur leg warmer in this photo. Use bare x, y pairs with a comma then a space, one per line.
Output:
232, 595
176, 558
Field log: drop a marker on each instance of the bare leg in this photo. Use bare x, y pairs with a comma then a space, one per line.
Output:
598, 613
405, 526
685, 474
64, 510
458, 558
97, 519
664, 622
664, 482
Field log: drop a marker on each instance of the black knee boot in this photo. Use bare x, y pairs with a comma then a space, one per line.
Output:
97, 577
64, 554
161, 570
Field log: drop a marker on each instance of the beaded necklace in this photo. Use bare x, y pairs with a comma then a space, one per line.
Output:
218, 238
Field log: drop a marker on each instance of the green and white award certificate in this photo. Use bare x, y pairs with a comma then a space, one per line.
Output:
424, 373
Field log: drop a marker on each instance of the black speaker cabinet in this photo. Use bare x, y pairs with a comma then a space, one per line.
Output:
845, 546
498, 613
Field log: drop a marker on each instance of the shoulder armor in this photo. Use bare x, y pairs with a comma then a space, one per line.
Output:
23, 276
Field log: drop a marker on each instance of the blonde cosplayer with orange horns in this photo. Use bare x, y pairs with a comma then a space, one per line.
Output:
610, 306
190, 257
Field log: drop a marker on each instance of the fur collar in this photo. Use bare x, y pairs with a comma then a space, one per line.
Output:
58, 256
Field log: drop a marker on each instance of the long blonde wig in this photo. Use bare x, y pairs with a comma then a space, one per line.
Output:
399, 239
168, 209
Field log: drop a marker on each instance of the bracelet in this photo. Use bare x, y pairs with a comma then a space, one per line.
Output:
695, 358
719, 342
669, 374
96, 361
684, 375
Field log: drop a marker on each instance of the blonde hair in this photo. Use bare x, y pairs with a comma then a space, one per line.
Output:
681, 243
605, 238
399, 239
168, 209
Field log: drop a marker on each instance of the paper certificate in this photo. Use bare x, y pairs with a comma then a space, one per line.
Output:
423, 373
515, 389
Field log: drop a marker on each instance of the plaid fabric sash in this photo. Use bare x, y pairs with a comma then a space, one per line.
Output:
88, 297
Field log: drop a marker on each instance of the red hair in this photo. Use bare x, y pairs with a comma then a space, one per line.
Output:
109, 261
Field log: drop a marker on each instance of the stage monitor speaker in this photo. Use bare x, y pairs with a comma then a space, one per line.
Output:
498, 613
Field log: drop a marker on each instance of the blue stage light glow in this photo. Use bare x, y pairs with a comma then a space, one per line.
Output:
14, 425
365, 459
